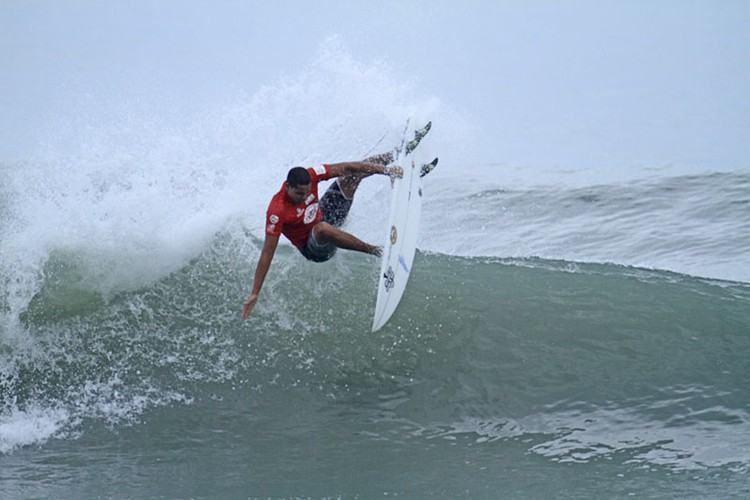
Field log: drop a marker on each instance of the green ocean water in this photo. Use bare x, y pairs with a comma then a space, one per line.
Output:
496, 378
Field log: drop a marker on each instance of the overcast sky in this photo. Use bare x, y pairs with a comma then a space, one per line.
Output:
550, 83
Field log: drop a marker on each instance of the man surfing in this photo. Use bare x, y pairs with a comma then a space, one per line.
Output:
312, 225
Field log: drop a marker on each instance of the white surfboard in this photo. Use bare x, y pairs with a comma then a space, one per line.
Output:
400, 243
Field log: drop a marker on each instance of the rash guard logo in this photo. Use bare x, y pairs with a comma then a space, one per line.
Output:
310, 213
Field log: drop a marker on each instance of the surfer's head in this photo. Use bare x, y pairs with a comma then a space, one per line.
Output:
297, 184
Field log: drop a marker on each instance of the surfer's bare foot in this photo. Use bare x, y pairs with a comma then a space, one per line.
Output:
394, 172
376, 251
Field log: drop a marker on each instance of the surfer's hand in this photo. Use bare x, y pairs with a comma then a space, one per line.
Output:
249, 304
394, 172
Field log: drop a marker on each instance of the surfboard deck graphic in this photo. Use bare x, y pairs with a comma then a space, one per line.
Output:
400, 242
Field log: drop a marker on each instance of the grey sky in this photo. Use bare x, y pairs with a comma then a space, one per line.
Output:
558, 84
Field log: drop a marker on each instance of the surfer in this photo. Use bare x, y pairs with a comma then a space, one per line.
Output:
312, 225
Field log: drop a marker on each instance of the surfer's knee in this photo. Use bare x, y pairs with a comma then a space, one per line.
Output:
348, 185
323, 232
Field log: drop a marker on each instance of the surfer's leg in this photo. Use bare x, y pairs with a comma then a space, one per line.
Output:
335, 205
326, 233
349, 183
381, 159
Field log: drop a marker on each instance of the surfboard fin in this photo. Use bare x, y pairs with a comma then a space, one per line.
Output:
418, 136
428, 167
408, 147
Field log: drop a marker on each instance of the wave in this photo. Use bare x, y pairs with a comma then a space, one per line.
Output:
689, 224
569, 354
125, 258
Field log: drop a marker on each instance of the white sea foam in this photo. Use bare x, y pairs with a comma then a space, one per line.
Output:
31, 426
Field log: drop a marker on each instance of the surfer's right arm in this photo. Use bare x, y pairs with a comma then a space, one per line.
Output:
266, 256
362, 167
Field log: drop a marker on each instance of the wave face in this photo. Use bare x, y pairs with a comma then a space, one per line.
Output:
573, 363
550, 326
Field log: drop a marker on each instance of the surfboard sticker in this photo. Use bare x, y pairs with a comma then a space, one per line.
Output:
389, 277
402, 261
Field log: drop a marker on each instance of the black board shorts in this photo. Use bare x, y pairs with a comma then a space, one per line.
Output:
335, 207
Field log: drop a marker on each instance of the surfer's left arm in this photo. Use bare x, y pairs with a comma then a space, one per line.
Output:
266, 256
362, 167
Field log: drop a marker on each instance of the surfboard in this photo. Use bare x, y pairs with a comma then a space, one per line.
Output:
400, 241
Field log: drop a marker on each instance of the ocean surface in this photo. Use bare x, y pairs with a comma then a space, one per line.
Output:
567, 332
543, 348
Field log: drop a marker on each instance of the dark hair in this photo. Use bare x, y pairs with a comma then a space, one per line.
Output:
297, 176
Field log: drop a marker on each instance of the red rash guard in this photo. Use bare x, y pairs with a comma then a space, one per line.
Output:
296, 221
